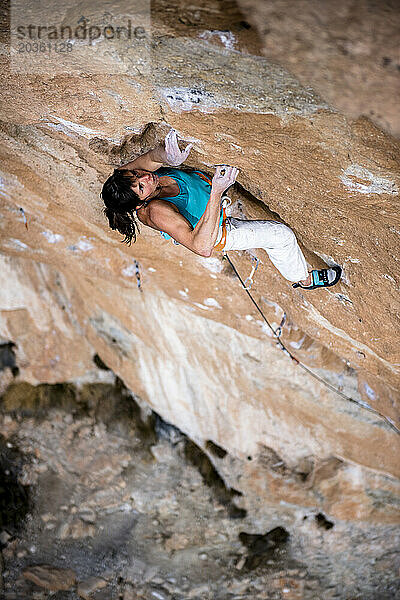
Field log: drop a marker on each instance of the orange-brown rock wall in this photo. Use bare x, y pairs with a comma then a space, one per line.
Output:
190, 343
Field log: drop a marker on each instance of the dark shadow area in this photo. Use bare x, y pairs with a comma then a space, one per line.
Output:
323, 522
215, 450
113, 405
210, 476
116, 408
166, 431
15, 498
263, 547
7, 358
100, 364
199, 459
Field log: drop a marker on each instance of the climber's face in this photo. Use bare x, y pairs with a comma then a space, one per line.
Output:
144, 183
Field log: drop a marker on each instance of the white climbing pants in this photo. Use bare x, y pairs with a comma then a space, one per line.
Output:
275, 238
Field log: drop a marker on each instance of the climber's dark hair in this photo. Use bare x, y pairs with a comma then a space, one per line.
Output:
121, 202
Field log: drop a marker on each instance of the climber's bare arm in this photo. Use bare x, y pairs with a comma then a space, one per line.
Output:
166, 153
164, 216
150, 161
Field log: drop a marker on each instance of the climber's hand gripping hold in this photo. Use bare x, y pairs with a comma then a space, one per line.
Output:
173, 155
224, 177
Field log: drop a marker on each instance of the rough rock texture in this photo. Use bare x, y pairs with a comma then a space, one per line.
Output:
348, 51
125, 507
51, 578
190, 344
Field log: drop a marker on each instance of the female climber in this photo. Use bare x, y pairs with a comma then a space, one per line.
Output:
186, 206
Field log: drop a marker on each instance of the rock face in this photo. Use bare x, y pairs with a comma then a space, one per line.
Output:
129, 507
188, 342
347, 51
50, 578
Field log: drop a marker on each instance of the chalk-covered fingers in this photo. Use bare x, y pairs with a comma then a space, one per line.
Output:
173, 155
224, 177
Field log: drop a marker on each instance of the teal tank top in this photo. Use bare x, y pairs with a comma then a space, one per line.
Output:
194, 193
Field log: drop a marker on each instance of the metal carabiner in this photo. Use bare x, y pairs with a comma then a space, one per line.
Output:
225, 202
278, 331
247, 286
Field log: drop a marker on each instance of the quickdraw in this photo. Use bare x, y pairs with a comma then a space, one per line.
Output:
138, 277
248, 282
278, 331
225, 203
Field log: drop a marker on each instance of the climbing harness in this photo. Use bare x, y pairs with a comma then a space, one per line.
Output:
225, 203
277, 333
203, 176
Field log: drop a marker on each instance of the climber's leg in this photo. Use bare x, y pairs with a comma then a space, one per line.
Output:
275, 238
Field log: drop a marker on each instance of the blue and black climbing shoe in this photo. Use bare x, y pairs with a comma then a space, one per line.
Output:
322, 278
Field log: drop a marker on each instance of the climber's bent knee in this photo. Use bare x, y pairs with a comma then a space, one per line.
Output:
285, 235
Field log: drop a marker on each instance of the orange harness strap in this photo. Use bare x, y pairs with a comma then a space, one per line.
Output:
204, 177
221, 243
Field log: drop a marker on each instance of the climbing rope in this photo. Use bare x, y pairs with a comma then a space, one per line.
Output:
277, 334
